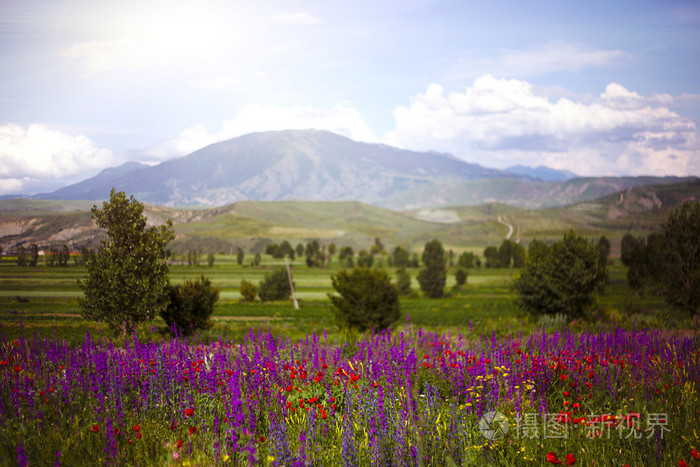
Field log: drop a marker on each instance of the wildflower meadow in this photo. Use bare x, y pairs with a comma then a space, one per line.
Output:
407, 397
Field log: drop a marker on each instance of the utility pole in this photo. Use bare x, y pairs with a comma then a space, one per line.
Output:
291, 284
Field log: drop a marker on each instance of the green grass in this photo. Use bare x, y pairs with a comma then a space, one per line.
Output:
46, 299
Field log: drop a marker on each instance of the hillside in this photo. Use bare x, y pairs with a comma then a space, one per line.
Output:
254, 224
518, 192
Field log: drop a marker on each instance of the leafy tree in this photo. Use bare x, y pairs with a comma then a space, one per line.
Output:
193, 258
299, 249
403, 281
210, 260
275, 286
505, 254
256, 259
240, 256
401, 257
1, 252
190, 306
536, 250
364, 259
313, 254
491, 256
346, 257
415, 260
433, 276
633, 255
604, 254
519, 255
64, 256
33, 254
286, 249
127, 277
22, 256
367, 301
461, 276
273, 249
466, 260
248, 291
677, 257
332, 248
564, 281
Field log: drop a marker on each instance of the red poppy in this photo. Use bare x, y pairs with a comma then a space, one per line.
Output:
570, 459
138, 435
179, 443
682, 463
189, 412
695, 454
18, 368
137, 428
95, 428
261, 439
552, 458
193, 430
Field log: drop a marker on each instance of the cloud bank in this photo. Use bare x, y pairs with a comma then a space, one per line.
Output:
501, 122
36, 158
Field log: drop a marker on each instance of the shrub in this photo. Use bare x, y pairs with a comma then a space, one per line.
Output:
248, 291
191, 305
403, 281
461, 276
368, 299
433, 276
275, 286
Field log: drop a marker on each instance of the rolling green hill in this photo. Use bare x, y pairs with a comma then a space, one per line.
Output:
254, 224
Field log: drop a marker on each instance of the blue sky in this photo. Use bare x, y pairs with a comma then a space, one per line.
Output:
598, 88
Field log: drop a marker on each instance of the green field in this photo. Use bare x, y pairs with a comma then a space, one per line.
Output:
46, 299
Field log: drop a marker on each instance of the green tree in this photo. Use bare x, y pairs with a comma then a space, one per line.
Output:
190, 306
240, 256
346, 257
433, 276
64, 256
461, 276
248, 291
633, 255
313, 254
401, 257
466, 260
364, 259
564, 281
22, 256
127, 277
505, 254
537, 249
210, 260
367, 301
332, 248
403, 281
275, 286
33, 254
491, 256
300, 250
256, 259
519, 255
1, 252
677, 268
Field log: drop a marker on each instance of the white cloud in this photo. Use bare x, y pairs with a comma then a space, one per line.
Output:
36, 155
300, 18
341, 119
103, 56
502, 122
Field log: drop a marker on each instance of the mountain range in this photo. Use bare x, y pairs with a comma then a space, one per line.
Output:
313, 165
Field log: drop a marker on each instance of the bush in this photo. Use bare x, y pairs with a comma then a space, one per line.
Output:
248, 291
461, 276
275, 286
368, 299
433, 276
403, 281
191, 305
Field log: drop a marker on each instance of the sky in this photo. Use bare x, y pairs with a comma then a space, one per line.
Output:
596, 87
